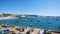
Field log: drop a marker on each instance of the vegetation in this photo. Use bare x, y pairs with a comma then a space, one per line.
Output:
5, 15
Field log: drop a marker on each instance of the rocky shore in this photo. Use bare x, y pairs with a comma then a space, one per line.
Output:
23, 30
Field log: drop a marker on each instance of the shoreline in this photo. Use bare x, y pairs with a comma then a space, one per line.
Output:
2, 18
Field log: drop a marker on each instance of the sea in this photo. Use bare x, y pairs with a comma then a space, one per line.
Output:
50, 23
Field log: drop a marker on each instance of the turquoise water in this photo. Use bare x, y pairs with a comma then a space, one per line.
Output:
43, 23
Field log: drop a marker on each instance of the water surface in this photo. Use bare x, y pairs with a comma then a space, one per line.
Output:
43, 23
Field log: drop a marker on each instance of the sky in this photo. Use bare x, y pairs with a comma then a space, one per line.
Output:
32, 7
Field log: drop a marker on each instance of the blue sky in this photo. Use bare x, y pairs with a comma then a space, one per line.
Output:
35, 7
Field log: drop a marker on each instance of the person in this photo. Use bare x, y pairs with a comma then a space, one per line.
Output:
28, 32
42, 31
32, 31
5, 31
45, 32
